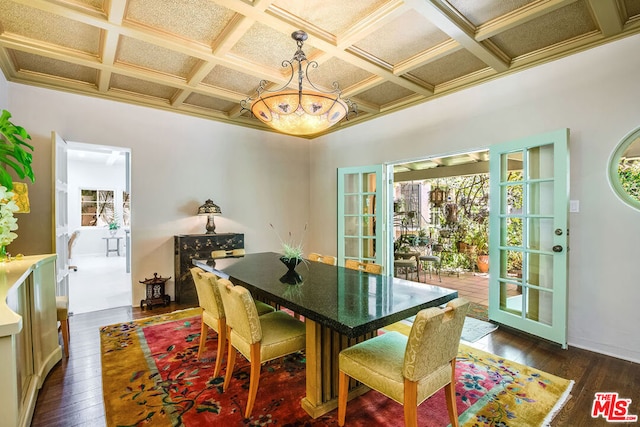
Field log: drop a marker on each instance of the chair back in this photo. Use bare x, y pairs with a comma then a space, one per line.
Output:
369, 267
314, 256
325, 259
218, 254
434, 339
72, 241
373, 268
208, 294
328, 259
240, 309
352, 264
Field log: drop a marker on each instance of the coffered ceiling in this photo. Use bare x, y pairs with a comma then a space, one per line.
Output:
202, 57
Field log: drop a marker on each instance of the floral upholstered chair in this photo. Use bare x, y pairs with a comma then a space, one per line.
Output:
408, 369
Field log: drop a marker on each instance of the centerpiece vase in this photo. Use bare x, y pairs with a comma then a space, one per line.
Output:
291, 263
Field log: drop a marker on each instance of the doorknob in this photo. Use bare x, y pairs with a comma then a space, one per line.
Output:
557, 248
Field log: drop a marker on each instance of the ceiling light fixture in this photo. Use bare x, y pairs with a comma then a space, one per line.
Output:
308, 110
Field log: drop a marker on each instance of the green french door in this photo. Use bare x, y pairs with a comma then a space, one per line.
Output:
528, 234
360, 214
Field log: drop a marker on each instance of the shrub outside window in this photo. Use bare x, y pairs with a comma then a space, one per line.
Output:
624, 169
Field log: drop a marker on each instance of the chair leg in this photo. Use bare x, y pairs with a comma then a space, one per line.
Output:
450, 394
254, 378
231, 361
410, 403
222, 341
64, 326
343, 390
204, 329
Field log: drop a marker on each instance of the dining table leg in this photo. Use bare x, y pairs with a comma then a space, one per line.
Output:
322, 350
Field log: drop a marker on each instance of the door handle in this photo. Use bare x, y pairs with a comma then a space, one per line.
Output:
557, 248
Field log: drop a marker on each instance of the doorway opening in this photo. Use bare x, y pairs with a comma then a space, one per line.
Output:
441, 214
98, 207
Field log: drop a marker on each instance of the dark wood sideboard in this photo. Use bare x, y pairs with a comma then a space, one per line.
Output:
197, 246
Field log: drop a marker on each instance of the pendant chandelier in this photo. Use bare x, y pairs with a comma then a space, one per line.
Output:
305, 111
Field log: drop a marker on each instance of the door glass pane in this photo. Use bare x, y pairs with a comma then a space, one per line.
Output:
539, 306
541, 198
369, 204
351, 206
540, 271
540, 234
351, 247
540, 162
514, 263
368, 249
369, 182
511, 298
511, 161
514, 199
368, 226
351, 225
514, 231
351, 183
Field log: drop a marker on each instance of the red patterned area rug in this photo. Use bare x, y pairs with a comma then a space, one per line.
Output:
151, 377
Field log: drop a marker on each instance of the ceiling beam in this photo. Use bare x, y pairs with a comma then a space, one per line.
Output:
449, 171
607, 16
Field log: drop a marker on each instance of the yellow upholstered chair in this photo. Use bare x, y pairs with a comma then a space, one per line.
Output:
352, 264
409, 369
373, 268
325, 259
218, 254
369, 267
258, 338
213, 315
238, 252
328, 259
314, 257
62, 315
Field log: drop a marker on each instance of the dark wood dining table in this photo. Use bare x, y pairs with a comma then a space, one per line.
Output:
340, 307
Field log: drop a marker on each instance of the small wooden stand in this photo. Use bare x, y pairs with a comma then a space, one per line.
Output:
155, 292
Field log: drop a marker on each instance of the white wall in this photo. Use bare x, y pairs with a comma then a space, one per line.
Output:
177, 162
87, 175
4, 93
595, 94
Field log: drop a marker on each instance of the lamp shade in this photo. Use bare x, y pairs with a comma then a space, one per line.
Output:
306, 111
209, 208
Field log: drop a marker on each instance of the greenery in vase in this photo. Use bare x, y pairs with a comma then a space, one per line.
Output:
8, 223
12, 151
291, 249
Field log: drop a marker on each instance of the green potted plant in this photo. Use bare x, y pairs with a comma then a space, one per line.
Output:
13, 151
114, 225
292, 253
480, 240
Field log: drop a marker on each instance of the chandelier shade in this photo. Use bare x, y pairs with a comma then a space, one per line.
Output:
307, 111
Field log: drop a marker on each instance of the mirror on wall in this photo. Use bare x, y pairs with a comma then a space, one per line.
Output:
624, 169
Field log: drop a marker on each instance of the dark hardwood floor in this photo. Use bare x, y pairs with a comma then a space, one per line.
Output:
72, 393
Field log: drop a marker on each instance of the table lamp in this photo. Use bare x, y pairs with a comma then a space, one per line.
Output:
210, 209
